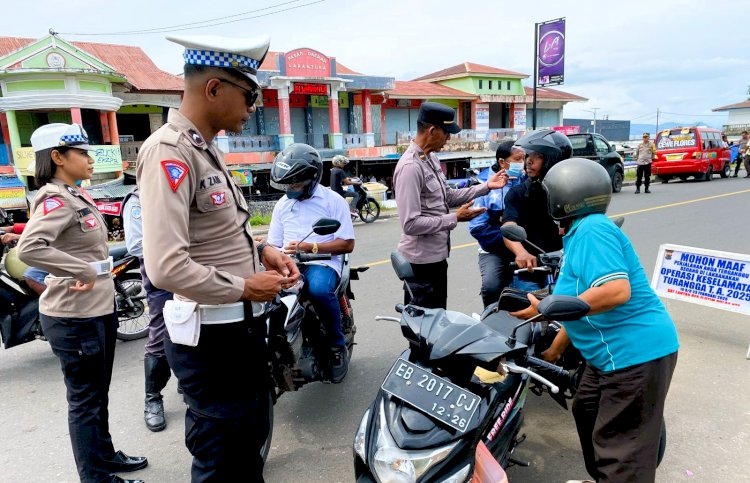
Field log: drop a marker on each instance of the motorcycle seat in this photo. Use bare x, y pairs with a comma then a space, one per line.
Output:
118, 252
503, 323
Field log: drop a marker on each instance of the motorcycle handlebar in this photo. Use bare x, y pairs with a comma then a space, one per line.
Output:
548, 366
399, 308
312, 257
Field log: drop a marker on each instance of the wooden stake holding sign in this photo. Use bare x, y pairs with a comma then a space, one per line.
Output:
705, 277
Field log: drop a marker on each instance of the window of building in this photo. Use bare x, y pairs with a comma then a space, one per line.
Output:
489, 84
508, 85
480, 83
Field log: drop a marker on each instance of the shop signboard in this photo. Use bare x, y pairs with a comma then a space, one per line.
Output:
107, 159
551, 53
483, 117
113, 208
243, 177
519, 117
307, 63
712, 278
310, 89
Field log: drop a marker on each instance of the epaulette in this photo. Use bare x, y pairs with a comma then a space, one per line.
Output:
170, 135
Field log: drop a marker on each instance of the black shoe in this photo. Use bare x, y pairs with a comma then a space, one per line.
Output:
747, 176
339, 364
117, 479
637, 190
734, 175
123, 463
153, 413
648, 190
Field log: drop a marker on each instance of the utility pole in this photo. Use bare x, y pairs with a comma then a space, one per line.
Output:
657, 123
593, 110
536, 75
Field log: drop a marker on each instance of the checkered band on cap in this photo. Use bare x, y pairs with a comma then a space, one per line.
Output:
71, 139
219, 59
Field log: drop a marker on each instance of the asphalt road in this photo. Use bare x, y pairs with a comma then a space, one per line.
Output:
707, 409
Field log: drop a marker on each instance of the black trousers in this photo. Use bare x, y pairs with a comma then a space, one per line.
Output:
738, 163
157, 331
619, 415
86, 349
643, 171
226, 384
429, 285
496, 275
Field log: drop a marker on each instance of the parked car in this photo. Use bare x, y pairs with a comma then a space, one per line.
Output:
690, 151
597, 148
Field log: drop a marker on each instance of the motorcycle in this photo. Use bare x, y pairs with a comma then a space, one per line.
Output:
19, 314
460, 387
297, 338
367, 207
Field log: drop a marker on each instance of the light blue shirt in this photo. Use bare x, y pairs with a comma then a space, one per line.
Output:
292, 220
133, 226
596, 251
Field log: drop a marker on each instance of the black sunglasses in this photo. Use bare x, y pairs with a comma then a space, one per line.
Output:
250, 95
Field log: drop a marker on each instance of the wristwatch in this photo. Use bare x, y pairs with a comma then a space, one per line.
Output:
261, 247
315, 247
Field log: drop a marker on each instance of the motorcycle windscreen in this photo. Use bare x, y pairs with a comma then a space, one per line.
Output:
486, 467
19, 330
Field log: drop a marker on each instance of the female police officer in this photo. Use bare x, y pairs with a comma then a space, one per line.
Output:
67, 236
628, 339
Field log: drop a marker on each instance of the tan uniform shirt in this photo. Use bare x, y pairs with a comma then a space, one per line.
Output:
64, 234
197, 240
645, 153
424, 200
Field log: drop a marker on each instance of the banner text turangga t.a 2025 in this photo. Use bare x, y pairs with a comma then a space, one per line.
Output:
551, 53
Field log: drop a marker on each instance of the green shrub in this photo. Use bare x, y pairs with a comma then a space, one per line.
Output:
256, 220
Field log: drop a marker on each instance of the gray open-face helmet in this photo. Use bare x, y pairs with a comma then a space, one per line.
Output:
577, 187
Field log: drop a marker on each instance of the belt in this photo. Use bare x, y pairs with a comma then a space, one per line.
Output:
227, 313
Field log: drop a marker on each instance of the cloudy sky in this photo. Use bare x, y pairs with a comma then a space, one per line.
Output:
628, 57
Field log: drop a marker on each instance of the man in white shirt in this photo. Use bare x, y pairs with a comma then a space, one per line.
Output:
298, 170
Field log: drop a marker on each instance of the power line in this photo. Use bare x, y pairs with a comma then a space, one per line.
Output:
205, 23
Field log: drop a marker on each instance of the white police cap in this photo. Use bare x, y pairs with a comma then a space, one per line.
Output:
58, 135
244, 55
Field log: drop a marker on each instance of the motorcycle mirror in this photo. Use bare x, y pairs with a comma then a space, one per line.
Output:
514, 233
326, 226
563, 308
619, 221
401, 266
495, 167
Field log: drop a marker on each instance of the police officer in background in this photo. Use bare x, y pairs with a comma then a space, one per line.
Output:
197, 243
155, 363
424, 200
67, 237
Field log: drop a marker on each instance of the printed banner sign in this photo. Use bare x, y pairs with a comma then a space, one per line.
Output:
482, 117
567, 129
706, 277
551, 53
113, 208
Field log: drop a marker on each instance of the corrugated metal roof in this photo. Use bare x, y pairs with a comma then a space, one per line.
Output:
425, 90
131, 61
739, 105
547, 94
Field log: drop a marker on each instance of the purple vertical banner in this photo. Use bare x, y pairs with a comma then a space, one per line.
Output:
551, 53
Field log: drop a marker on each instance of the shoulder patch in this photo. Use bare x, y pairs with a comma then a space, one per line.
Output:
176, 172
51, 204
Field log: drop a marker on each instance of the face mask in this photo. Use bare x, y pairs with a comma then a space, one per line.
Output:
515, 170
78, 183
294, 195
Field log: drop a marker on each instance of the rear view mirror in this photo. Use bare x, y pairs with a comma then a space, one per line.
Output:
563, 308
514, 233
326, 226
619, 221
401, 266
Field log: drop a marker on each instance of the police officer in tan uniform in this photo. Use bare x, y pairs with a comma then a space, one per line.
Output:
197, 243
67, 237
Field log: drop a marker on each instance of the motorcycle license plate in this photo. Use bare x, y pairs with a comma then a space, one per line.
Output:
433, 395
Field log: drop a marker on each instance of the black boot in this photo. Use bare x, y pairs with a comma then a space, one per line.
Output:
157, 374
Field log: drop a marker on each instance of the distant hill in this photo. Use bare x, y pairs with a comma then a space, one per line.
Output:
636, 130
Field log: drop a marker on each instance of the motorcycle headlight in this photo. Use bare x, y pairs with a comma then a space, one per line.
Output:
394, 465
359, 438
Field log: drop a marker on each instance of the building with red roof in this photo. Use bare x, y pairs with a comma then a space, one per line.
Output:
738, 119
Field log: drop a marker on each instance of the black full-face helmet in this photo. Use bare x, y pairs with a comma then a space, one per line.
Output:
577, 187
297, 170
552, 145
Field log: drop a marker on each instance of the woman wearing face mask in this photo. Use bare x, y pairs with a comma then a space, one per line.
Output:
67, 237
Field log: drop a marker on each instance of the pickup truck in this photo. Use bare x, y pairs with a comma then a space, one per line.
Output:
597, 148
